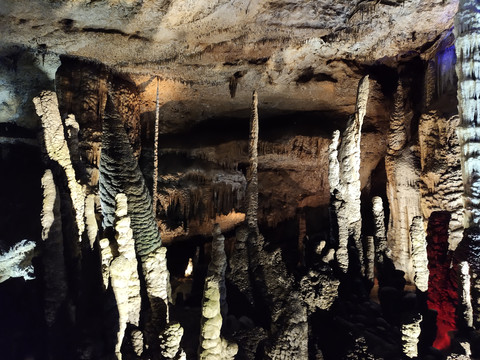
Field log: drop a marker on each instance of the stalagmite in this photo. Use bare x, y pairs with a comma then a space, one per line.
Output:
410, 333
419, 253
370, 259
106, 258
346, 190
170, 342
46, 105
53, 257
403, 178
123, 273
155, 154
212, 345
16, 262
466, 297
90, 219
467, 46
379, 228
252, 171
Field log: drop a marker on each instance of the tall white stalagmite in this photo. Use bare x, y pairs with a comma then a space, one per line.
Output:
212, 345
46, 105
123, 273
419, 253
410, 333
252, 172
344, 180
467, 46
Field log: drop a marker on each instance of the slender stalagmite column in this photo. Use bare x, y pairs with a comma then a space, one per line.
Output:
155, 154
467, 45
212, 346
344, 179
252, 172
410, 333
379, 228
419, 253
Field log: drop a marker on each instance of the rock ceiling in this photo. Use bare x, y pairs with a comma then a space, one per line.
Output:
300, 55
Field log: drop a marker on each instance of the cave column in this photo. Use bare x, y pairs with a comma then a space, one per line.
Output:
467, 45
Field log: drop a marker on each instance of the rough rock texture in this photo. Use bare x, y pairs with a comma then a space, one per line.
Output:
90, 219
319, 291
347, 190
380, 235
56, 146
16, 262
419, 253
212, 344
441, 176
53, 259
403, 178
370, 258
170, 342
123, 273
410, 333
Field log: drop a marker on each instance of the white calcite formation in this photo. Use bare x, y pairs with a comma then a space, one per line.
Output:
170, 342
53, 255
380, 237
370, 259
441, 177
410, 334
16, 262
403, 178
466, 297
419, 253
46, 105
106, 258
252, 171
212, 345
123, 273
344, 179
467, 47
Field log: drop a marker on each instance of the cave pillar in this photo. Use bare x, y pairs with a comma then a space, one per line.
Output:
467, 46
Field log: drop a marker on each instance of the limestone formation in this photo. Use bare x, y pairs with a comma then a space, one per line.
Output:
466, 297
53, 258
252, 172
419, 253
319, 291
123, 273
212, 345
16, 262
467, 69
441, 177
380, 237
410, 333
403, 178
106, 258
46, 105
347, 190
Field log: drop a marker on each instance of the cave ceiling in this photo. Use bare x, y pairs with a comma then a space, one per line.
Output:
299, 55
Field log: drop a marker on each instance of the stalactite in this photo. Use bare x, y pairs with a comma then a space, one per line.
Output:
46, 105
410, 333
346, 190
419, 253
212, 345
468, 71
123, 273
53, 258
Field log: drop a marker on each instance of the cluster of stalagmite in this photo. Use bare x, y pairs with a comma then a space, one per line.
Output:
212, 345
53, 258
467, 46
344, 179
46, 105
401, 165
419, 253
